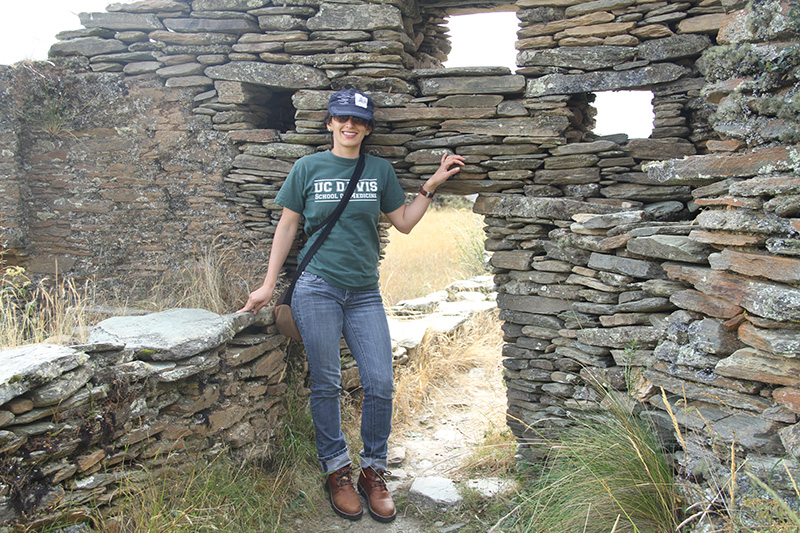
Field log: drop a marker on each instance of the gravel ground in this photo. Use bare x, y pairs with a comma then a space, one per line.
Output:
435, 444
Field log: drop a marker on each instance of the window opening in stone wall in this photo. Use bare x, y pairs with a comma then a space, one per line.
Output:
281, 112
628, 112
482, 40
446, 246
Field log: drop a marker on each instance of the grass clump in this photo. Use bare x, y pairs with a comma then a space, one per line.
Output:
54, 102
55, 311
606, 473
494, 455
210, 280
768, 509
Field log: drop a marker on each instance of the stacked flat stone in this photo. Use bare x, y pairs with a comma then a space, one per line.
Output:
572, 273
243, 50
734, 335
577, 47
158, 391
737, 325
268, 60
704, 309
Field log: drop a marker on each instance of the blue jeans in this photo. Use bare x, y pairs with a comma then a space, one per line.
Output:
323, 313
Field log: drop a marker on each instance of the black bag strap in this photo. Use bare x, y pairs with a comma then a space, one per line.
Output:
327, 226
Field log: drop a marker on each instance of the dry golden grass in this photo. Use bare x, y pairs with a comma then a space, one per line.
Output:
446, 245
211, 280
54, 311
494, 455
62, 310
459, 376
440, 360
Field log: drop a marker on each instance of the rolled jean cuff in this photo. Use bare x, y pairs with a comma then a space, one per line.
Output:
332, 464
376, 463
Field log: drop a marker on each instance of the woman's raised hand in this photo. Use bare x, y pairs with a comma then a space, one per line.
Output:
449, 166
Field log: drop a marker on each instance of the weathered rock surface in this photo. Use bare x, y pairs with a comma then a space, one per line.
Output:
270, 75
168, 335
28, 367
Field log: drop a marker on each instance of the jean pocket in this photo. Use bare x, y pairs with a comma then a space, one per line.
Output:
310, 278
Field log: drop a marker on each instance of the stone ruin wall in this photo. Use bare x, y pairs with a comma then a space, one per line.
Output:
108, 178
670, 260
81, 425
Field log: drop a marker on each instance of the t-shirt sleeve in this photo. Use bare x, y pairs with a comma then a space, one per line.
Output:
393, 195
291, 193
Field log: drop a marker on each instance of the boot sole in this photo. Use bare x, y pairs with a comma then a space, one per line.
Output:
373, 514
347, 516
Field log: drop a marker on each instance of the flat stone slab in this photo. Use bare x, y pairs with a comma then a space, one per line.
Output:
87, 46
604, 81
781, 269
766, 299
709, 168
580, 57
475, 85
541, 126
270, 75
366, 17
674, 47
435, 490
27, 367
121, 21
168, 335
191, 25
626, 265
671, 248
528, 207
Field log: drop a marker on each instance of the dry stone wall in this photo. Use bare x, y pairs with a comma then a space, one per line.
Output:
144, 394
109, 178
660, 264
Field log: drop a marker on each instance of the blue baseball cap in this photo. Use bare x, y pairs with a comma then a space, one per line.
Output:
351, 102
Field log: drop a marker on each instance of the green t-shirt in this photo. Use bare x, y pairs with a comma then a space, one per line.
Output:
348, 258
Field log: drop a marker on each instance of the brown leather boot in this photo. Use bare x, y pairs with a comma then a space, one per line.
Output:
379, 501
343, 496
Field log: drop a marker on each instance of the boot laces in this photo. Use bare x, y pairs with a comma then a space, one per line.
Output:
342, 478
376, 477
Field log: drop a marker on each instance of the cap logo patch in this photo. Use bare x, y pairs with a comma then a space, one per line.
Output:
361, 100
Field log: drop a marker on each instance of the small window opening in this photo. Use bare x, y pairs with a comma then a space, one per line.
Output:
483, 40
281, 112
628, 112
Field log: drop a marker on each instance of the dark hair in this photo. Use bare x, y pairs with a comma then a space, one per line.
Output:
370, 127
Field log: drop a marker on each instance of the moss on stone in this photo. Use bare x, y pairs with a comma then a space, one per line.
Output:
720, 63
768, 21
769, 91
771, 66
787, 107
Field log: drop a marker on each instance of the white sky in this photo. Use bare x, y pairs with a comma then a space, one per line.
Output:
28, 29
486, 39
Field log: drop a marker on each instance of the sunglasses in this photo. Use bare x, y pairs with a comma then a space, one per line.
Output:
358, 121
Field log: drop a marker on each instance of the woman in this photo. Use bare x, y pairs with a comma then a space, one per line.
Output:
338, 293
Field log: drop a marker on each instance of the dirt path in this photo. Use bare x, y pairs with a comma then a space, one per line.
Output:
437, 443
